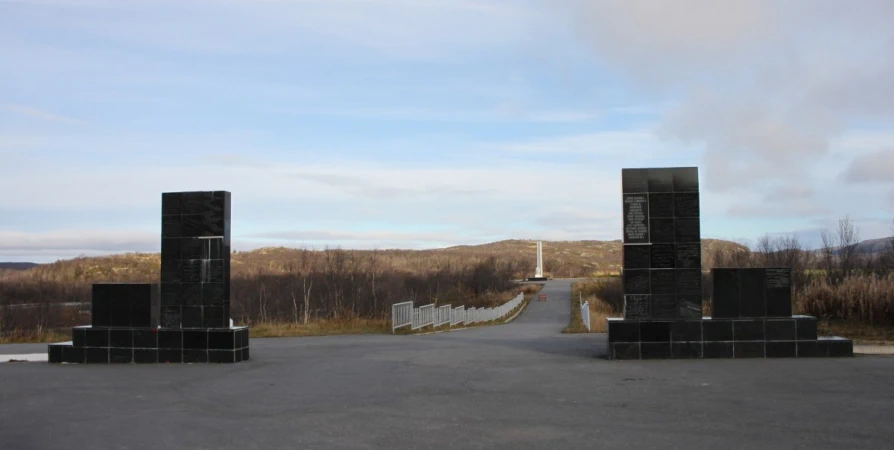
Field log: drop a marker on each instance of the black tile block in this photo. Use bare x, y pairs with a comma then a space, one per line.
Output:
662, 281
171, 203
194, 202
192, 317
652, 331
805, 328
687, 230
636, 219
634, 181
686, 350
79, 337
652, 350
101, 308
725, 297
226, 340
717, 350
191, 294
690, 306
839, 347
661, 179
748, 349
191, 271
170, 271
661, 231
812, 349
748, 330
661, 205
195, 339
245, 353
55, 353
213, 294
120, 313
685, 179
779, 303
663, 256
74, 355
147, 339
637, 256
664, 307
171, 249
689, 330
121, 338
780, 330
213, 317
195, 356
620, 351
145, 356
781, 349
97, 337
193, 225
636, 282
243, 333
97, 355
752, 294
171, 227
222, 356
213, 271
170, 356
686, 205
170, 294
637, 306
618, 331
688, 281
237, 356
191, 248
170, 317
121, 355
170, 339
688, 255
717, 330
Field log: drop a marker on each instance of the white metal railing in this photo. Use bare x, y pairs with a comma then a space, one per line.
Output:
443, 315
585, 314
457, 316
403, 314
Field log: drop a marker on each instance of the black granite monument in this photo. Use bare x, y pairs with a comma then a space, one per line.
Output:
187, 318
752, 308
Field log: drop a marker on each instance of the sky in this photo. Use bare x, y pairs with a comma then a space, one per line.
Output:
425, 124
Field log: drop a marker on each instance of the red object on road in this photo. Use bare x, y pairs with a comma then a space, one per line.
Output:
541, 297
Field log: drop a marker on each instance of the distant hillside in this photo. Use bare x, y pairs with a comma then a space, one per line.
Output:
560, 259
873, 246
17, 265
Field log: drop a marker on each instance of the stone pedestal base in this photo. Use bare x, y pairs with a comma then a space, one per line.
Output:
104, 345
794, 337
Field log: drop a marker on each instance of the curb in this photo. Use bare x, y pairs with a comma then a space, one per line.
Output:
874, 349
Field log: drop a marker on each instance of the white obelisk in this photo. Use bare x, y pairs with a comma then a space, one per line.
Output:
539, 272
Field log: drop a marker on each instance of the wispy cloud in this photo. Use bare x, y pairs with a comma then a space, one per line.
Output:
29, 111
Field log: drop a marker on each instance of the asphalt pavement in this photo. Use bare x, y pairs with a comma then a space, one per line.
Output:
521, 385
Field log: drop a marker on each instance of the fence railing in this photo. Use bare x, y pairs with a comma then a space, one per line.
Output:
403, 314
585, 314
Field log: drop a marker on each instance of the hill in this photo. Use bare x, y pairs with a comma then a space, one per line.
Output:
873, 246
16, 265
560, 259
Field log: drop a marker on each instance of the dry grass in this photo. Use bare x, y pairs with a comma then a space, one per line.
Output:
33, 336
858, 299
600, 296
320, 328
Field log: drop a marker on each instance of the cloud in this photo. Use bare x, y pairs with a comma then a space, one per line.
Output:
871, 168
765, 87
75, 241
39, 114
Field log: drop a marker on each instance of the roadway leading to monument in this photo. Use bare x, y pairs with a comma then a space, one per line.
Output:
516, 386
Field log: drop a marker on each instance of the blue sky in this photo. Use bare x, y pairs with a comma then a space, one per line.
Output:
419, 124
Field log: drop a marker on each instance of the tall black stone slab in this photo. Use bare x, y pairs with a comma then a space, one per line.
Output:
186, 318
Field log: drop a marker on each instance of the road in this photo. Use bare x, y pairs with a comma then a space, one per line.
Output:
521, 385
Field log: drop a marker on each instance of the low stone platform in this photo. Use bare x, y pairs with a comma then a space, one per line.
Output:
104, 345
722, 338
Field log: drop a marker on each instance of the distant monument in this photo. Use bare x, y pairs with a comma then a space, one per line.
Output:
187, 318
662, 282
538, 272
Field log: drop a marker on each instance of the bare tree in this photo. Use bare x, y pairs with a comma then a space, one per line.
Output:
848, 238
